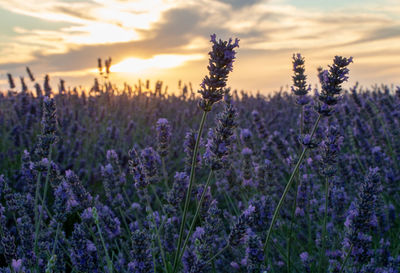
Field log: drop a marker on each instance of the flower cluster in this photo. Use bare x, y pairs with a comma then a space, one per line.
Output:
300, 88
86, 203
220, 64
331, 83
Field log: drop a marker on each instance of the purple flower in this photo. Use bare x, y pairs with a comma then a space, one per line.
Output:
150, 160
16, 265
31, 77
78, 190
254, 254
331, 83
141, 258
188, 146
176, 195
220, 138
163, 136
247, 167
300, 88
360, 220
137, 170
259, 123
222, 56
304, 256
83, 253
239, 229
49, 127
10, 81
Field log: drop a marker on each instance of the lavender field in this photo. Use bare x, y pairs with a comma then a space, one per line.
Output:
203, 179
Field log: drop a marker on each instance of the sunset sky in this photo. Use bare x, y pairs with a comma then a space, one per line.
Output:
169, 40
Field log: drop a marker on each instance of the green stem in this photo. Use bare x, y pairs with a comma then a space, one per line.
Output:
203, 194
154, 258
389, 143
291, 227
188, 193
158, 198
288, 185
217, 254
325, 220
292, 219
38, 219
55, 240
158, 236
37, 193
345, 259
96, 220
125, 223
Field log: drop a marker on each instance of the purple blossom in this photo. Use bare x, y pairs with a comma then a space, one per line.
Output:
221, 60
163, 136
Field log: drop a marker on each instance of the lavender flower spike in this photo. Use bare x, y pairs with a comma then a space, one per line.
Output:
331, 83
221, 60
49, 127
300, 88
163, 136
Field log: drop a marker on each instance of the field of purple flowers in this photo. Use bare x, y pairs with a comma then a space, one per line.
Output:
141, 180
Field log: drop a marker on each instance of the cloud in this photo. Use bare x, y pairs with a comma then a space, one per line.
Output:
269, 31
240, 3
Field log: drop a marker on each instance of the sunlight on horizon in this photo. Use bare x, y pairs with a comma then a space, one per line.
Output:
135, 65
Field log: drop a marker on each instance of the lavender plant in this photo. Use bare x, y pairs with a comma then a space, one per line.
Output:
114, 180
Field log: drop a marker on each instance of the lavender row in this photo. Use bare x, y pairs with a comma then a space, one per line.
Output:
149, 180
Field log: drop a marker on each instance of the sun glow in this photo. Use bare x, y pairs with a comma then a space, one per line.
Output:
165, 61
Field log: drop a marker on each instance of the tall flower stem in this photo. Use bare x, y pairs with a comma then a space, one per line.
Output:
325, 220
37, 193
218, 253
291, 228
292, 219
158, 236
38, 218
188, 193
203, 194
345, 259
96, 220
288, 186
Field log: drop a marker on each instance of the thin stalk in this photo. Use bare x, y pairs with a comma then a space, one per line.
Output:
203, 194
188, 193
389, 143
158, 198
38, 219
37, 193
281, 251
292, 219
158, 236
310, 242
325, 220
288, 185
291, 227
125, 223
55, 240
345, 259
230, 202
218, 253
96, 220
154, 258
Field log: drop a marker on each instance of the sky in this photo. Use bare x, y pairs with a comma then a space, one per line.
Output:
169, 39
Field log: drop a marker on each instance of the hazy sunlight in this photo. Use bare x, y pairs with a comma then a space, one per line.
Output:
134, 65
